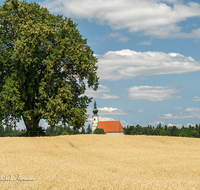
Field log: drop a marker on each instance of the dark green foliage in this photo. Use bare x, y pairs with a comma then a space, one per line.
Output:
147, 130
75, 131
9, 131
98, 131
191, 131
64, 133
82, 130
45, 65
58, 130
173, 131
89, 130
129, 130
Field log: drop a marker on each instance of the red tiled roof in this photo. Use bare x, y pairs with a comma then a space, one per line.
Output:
110, 126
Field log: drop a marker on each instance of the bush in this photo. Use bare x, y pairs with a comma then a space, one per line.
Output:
98, 131
64, 133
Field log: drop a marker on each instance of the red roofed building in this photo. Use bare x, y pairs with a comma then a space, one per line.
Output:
111, 127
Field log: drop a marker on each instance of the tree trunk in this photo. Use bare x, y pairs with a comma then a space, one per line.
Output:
31, 125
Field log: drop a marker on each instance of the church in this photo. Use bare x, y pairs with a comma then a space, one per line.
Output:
109, 127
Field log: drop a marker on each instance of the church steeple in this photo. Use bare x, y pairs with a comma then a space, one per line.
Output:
95, 117
95, 110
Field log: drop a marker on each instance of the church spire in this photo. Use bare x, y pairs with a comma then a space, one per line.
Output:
95, 110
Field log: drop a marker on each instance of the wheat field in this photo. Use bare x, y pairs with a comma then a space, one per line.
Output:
99, 162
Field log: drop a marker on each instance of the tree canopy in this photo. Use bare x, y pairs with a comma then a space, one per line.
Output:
45, 65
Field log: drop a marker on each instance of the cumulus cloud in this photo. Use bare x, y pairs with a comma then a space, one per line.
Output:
152, 93
100, 93
111, 111
108, 109
116, 36
188, 113
151, 17
128, 64
105, 111
196, 98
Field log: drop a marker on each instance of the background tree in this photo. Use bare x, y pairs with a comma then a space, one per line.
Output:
147, 130
82, 130
75, 131
89, 130
99, 131
44, 62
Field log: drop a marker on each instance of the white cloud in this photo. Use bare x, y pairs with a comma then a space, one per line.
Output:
194, 110
105, 111
196, 98
106, 119
152, 17
100, 93
116, 36
188, 113
152, 93
111, 111
128, 64
178, 108
124, 123
177, 125
194, 34
108, 109
190, 124
145, 43
108, 96
139, 111
155, 123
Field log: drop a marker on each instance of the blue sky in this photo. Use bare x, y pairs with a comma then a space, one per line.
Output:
148, 57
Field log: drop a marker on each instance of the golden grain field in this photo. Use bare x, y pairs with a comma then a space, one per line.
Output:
100, 162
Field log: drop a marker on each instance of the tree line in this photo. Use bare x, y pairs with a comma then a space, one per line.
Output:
191, 131
11, 131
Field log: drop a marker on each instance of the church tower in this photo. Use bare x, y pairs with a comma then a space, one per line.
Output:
95, 117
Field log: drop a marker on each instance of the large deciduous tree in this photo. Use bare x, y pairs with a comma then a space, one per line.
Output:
45, 65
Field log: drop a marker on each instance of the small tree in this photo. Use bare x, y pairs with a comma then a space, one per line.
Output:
98, 131
75, 131
83, 130
89, 130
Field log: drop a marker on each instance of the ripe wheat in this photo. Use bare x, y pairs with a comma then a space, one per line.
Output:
98, 162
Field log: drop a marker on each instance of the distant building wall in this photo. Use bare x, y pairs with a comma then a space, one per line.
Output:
115, 133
